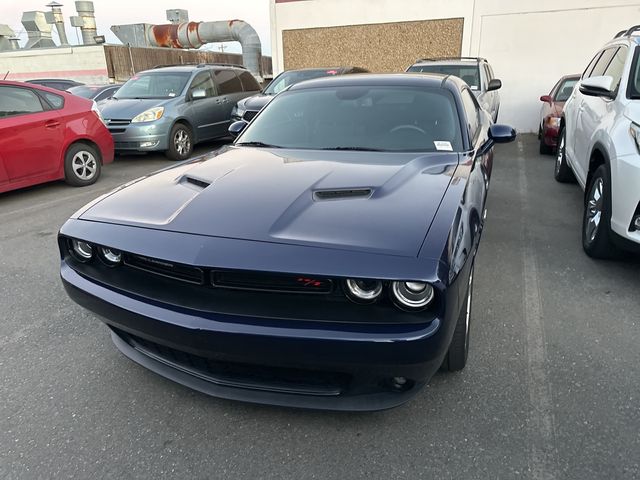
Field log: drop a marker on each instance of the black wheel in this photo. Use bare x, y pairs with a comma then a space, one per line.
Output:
562, 173
180, 142
82, 165
544, 148
596, 222
456, 357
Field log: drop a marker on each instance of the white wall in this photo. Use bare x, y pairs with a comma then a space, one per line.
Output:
530, 43
85, 64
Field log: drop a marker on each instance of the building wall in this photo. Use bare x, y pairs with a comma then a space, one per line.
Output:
379, 47
530, 43
82, 63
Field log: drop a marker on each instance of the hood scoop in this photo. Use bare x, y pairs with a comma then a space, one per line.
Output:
197, 182
339, 194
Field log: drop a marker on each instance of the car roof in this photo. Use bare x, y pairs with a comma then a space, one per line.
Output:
321, 69
391, 79
450, 61
193, 68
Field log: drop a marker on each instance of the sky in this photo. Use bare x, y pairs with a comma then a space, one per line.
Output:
117, 12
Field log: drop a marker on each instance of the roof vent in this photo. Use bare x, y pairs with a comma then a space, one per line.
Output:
342, 193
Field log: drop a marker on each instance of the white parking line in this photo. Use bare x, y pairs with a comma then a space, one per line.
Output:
543, 463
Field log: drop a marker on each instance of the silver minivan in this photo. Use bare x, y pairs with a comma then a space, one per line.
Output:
170, 109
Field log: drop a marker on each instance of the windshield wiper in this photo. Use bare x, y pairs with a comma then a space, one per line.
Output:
362, 149
258, 144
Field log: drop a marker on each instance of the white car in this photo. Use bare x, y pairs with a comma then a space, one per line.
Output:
599, 146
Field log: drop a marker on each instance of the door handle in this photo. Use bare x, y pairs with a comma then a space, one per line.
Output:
52, 124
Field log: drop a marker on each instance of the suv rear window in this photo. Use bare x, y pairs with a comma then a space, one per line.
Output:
228, 82
469, 73
249, 83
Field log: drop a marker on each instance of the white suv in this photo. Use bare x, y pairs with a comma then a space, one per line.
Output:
599, 146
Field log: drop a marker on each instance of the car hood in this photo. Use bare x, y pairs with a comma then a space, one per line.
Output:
367, 201
127, 108
255, 102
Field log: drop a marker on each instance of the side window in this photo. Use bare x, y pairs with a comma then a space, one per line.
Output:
227, 82
56, 101
592, 63
18, 101
203, 81
249, 83
471, 111
616, 66
603, 62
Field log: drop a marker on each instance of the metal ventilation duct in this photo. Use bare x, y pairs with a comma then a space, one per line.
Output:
7, 39
86, 20
38, 30
55, 17
194, 35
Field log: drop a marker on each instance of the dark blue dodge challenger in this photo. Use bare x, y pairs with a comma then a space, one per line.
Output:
323, 260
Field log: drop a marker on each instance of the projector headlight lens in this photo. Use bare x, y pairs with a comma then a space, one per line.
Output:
83, 251
412, 295
111, 256
362, 290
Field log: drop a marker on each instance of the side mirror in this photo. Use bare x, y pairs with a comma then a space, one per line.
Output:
502, 133
236, 128
546, 98
494, 84
198, 93
600, 86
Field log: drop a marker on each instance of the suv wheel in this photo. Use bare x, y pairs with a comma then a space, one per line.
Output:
596, 222
180, 142
563, 173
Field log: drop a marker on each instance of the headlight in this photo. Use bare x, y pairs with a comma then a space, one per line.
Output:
150, 115
634, 130
81, 250
412, 295
111, 256
238, 111
363, 291
553, 122
94, 108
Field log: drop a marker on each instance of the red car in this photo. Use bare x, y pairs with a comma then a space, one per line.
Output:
46, 135
551, 111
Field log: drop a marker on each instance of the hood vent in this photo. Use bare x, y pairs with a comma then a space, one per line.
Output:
196, 181
340, 194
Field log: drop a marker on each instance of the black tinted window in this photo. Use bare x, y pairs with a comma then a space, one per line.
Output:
602, 63
203, 81
249, 83
565, 89
291, 77
18, 101
471, 110
469, 73
359, 118
227, 81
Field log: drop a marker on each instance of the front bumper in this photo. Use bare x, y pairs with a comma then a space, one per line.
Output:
299, 364
550, 135
141, 137
625, 199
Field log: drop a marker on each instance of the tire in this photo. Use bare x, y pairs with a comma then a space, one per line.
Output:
456, 357
596, 221
544, 148
82, 165
180, 142
562, 173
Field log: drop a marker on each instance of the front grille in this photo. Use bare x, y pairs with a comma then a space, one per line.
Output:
116, 122
117, 130
271, 282
249, 114
241, 375
177, 271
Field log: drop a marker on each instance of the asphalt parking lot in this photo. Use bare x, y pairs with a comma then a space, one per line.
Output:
552, 390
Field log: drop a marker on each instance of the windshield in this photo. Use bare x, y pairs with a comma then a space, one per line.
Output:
285, 79
381, 118
565, 90
469, 73
154, 85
